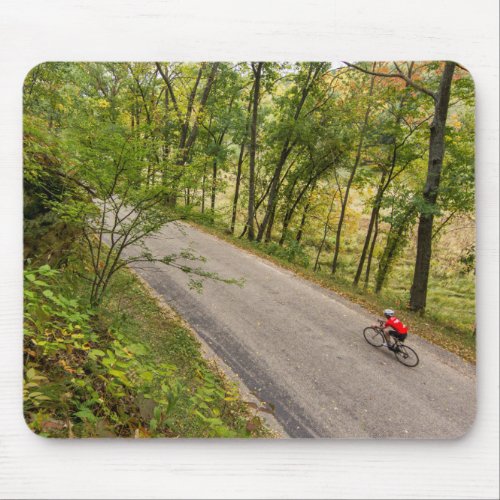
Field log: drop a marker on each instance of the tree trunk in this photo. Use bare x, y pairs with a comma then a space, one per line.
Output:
351, 178
203, 183
257, 70
300, 232
240, 164
274, 190
418, 293
214, 187
189, 111
325, 233
306, 211
269, 227
204, 97
386, 260
373, 217
370, 253
288, 211
286, 222
214, 174
237, 187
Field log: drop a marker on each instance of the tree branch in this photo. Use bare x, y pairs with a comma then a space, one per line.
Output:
399, 74
170, 91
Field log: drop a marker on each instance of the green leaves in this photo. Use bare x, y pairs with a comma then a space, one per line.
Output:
87, 382
95, 353
137, 349
292, 251
86, 415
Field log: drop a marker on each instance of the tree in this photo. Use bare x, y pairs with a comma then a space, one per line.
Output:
102, 161
241, 156
418, 293
441, 99
345, 196
396, 129
189, 125
306, 81
257, 71
322, 159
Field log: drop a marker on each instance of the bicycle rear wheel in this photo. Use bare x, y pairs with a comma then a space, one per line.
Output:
406, 355
373, 336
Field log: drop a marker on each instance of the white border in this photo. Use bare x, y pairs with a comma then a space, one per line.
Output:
33, 31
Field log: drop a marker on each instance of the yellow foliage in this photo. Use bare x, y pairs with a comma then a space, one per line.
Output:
102, 103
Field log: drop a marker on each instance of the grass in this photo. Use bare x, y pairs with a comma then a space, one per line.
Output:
447, 322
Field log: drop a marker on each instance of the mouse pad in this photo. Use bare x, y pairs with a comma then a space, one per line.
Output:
249, 249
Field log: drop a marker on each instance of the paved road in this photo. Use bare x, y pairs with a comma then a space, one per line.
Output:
300, 348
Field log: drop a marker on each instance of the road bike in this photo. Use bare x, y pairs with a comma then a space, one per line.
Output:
374, 335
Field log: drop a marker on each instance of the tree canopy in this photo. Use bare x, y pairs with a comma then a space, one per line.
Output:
334, 166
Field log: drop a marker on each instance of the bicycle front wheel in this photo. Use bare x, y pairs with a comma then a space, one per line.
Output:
406, 355
373, 336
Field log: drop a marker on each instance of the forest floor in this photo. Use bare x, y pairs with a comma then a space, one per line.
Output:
299, 347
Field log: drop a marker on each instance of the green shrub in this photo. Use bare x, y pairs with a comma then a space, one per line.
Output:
291, 251
81, 381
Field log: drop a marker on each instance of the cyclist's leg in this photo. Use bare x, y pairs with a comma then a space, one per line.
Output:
398, 338
387, 335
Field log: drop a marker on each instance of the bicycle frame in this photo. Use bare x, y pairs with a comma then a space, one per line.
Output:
396, 342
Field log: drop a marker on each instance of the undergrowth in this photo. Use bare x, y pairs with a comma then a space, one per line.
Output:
125, 370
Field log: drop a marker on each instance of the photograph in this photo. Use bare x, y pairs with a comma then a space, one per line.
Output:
252, 249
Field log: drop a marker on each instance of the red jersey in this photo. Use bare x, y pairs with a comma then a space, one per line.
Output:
394, 322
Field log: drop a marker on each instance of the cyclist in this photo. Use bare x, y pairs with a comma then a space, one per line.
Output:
393, 327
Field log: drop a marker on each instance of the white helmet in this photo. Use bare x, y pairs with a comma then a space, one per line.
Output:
388, 313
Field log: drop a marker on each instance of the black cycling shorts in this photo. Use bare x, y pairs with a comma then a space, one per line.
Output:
397, 335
